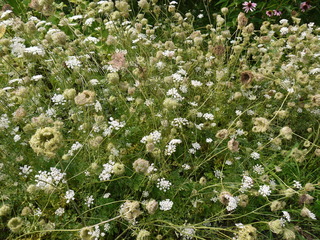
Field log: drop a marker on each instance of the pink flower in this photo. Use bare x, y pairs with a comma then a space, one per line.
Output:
304, 6
269, 13
249, 6
118, 60
277, 12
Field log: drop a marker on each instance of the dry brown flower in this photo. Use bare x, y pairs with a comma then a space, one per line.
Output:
218, 50
118, 60
242, 20
6, 7
233, 145
246, 77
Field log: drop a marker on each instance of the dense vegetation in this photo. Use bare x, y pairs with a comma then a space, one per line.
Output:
123, 120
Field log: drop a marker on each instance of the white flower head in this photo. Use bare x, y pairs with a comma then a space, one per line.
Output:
166, 205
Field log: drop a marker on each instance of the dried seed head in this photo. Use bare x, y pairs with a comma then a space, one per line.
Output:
15, 224
218, 50
6, 7
305, 199
224, 197
84, 98
276, 226
141, 165
246, 77
242, 20
277, 205
84, 233
152, 206
233, 145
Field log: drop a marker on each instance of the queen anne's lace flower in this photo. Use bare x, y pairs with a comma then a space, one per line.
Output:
264, 190
171, 147
163, 184
166, 205
46, 179
107, 171
73, 62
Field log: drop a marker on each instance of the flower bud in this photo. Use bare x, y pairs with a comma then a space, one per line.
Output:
224, 10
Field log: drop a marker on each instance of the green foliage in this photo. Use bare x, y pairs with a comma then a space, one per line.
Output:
165, 126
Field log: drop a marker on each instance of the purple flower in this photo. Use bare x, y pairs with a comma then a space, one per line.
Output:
249, 6
277, 12
269, 13
304, 6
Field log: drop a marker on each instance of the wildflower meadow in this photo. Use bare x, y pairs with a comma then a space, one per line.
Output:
159, 120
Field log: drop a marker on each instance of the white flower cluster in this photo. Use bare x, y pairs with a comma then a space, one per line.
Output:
96, 233
173, 92
247, 183
114, 124
187, 233
196, 146
35, 50
255, 155
4, 121
177, 77
232, 202
307, 213
59, 212
69, 195
76, 17
166, 205
163, 184
38, 212
179, 122
168, 53
264, 190
46, 179
58, 99
286, 217
51, 112
151, 168
17, 46
171, 147
76, 146
186, 166
97, 106
284, 30
36, 78
89, 21
73, 62
153, 137
107, 171
297, 184
208, 116
218, 174
25, 170
91, 39
16, 80
259, 169
89, 200
196, 83
314, 71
